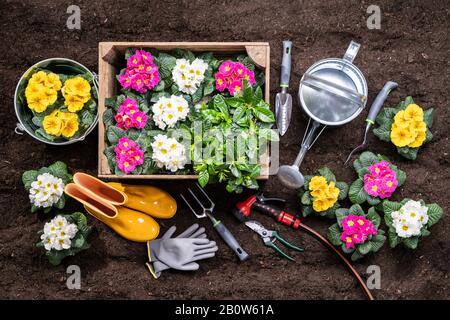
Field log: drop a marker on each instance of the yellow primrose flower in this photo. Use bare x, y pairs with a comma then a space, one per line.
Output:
36, 103
317, 182
420, 138
77, 86
321, 205
33, 90
70, 127
400, 121
419, 126
52, 81
73, 103
401, 137
318, 193
51, 96
52, 124
38, 77
413, 112
332, 191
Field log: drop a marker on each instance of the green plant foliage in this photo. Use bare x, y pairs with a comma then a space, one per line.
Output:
306, 199
356, 193
78, 243
237, 119
434, 212
222, 116
373, 243
385, 119
57, 169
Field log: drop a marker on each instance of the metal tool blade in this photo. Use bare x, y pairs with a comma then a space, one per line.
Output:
283, 111
257, 227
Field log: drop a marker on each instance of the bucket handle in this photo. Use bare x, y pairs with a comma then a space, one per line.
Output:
19, 129
309, 138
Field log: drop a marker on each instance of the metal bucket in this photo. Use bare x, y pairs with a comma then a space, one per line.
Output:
24, 115
332, 92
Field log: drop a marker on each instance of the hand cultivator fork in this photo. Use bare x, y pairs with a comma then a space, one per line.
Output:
221, 229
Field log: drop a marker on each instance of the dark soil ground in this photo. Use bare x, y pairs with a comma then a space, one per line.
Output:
412, 48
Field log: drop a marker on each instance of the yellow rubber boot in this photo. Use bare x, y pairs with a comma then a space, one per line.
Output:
148, 199
131, 225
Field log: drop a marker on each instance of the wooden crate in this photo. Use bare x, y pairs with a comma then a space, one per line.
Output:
111, 58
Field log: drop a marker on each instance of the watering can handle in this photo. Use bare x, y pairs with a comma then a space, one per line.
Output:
308, 140
352, 51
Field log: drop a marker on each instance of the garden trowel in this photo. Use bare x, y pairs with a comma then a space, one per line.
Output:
283, 100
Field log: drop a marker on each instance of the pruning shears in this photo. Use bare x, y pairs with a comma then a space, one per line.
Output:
270, 236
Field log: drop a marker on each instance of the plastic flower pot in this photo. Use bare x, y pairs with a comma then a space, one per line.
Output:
25, 115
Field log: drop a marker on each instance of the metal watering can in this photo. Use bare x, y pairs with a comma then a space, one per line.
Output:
332, 92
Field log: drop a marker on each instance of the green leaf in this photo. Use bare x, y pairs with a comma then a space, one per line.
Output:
356, 193
209, 87
373, 216
386, 116
257, 96
28, 177
114, 134
198, 95
364, 248
247, 92
306, 199
356, 210
383, 132
367, 158
238, 113
341, 213
234, 102
343, 190
307, 211
58, 169
356, 256
428, 137
37, 121
435, 213
327, 173
220, 105
428, 116
61, 202
108, 118
203, 178
394, 240
401, 177
408, 153
424, 232
377, 242
347, 250
264, 115
390, 206
362, 172
411, 243
269, 134
334, 234
373, 201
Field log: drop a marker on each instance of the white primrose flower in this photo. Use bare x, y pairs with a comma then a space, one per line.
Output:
189, 76
168, 153
410, 219
46, 190
58, 234
168, 111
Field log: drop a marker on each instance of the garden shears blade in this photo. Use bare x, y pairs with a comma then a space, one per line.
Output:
283, 100
270, 236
